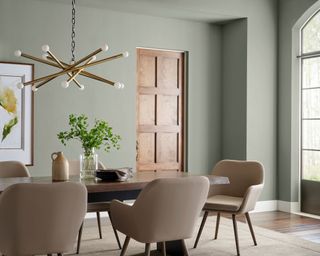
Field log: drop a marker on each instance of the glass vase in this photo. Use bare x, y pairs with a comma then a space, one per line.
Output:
88, 164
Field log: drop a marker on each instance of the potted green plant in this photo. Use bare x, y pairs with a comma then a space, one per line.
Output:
99, 136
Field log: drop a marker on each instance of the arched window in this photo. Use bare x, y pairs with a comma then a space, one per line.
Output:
310, 99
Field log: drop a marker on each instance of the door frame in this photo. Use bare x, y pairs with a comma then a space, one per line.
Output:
185, 85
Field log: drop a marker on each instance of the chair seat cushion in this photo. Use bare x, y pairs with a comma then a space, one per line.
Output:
223, 203
98, 207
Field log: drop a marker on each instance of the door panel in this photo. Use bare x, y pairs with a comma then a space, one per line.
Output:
160, 113
168, 72
167, 110
167, 148
146, 147
147, 71
146, 109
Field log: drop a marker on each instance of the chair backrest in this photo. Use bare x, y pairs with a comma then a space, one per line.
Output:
74, 166
13, 169
167, 209
241, 174
41, 218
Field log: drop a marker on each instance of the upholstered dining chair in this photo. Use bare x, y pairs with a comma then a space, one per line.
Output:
165, 210
74, 169
13, 169
239, 197
41, 218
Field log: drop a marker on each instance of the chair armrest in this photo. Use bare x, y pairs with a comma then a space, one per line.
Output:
121, 215
250, 198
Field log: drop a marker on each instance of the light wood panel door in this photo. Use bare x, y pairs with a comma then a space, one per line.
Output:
160, 110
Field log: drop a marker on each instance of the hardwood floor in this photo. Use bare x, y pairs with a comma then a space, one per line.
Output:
301, 226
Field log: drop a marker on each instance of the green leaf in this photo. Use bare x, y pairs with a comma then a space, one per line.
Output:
7, 127
100, 135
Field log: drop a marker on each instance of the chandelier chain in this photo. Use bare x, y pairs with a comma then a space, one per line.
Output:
73, 33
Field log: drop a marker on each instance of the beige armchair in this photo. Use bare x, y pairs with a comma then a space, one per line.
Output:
239, 197
74, 169
13, 169
41, 218
166, 210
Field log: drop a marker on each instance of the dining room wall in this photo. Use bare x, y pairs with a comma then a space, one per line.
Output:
27, 25
125, 25
234, 90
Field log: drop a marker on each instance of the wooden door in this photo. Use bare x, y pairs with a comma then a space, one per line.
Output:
160, 110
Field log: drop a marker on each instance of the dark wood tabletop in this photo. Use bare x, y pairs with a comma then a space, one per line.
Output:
137, 182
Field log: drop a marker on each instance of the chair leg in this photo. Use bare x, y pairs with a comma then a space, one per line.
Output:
217, 226
125, 246
235, 229
115, 232
184, 248
79, 238
147, 250
201, 228
251, 228
99, 224
163, 248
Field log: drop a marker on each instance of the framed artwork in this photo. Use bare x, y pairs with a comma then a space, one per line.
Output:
16, 113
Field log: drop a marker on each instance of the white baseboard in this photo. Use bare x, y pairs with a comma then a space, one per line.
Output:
285, 206
277, 205
266, 206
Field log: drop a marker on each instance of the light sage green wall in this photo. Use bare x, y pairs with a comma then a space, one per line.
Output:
27, 25
234, 89
288, 176
30, 23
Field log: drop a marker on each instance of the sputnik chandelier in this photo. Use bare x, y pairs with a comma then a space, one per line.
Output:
72, 70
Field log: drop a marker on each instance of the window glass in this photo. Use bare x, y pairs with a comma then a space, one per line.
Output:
311, 35
311, 103
311, 72
310, 99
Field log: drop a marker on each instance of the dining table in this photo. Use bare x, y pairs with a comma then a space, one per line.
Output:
101, 191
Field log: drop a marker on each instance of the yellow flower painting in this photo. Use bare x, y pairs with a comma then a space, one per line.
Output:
16, 113
8, 101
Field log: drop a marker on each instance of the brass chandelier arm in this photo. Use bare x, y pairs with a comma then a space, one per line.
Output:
27, 56
63, 67
73, 68
117, 56
90, 75
43, 83
73, 77
87, 57
98, 78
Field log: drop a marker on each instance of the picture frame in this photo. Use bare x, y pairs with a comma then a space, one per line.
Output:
16, 113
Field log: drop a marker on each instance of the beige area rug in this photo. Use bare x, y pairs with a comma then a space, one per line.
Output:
269, 242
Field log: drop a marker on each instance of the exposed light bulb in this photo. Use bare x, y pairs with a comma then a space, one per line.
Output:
64, 84
93, 58
125, 54
81, 88
45, 48
118, 85
44, 56
34, 88
20, 85
17, 53
105, 47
